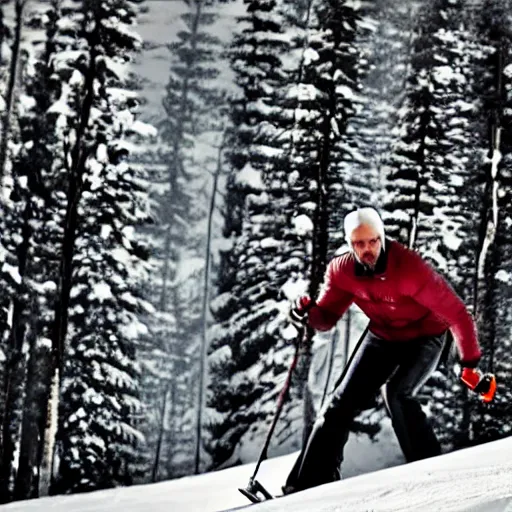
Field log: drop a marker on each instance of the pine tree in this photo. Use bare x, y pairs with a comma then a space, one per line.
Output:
98, 297
25, 204
101, 384
71, 129
191, 126
492, 257
37, 202
384, 43
244, 301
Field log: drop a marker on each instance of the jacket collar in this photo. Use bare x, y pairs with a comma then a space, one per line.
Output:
362, 270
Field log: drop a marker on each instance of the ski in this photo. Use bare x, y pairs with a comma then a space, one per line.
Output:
255, 492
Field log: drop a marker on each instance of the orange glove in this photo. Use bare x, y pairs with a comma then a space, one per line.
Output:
483, 384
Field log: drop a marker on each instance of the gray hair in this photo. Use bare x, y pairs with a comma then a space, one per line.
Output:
368, 216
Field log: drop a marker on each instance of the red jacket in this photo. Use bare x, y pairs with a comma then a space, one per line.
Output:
404, 299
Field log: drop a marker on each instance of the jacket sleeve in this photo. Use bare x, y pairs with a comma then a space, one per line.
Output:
332, 301
432, 291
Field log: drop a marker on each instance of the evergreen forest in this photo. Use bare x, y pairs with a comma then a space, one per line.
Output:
148, 261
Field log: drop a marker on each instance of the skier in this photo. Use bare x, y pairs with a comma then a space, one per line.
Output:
410, 308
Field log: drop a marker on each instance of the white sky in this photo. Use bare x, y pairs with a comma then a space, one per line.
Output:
476, 479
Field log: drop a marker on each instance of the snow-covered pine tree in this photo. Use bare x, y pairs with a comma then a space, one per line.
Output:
492, 257
71, 115
186, 158
24, 207
35, 229
407, 167
384, 42
247, 350
99, 440
430, 168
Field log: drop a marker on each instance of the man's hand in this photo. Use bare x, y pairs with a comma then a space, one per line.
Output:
483, 384
298, 314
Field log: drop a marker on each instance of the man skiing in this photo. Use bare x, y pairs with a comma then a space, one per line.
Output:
410, 308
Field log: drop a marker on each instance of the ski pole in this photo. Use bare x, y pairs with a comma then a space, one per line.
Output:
351, 358
279, 407
254, 487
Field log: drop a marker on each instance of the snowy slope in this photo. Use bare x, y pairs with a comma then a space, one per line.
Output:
473, 480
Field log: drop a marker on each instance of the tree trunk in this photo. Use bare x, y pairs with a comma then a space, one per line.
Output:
11, 84
2, 33
163, 416
15, 368
50, 435
320, 246
10, 427
420, 179
206, 286
487, 229
27, 478
79, 154
172, 415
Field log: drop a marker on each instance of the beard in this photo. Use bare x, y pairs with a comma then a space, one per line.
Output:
368, 259
370, 262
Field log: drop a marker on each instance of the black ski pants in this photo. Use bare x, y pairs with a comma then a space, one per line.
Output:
400, 369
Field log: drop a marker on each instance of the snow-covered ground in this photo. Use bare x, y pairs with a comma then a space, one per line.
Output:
477, 479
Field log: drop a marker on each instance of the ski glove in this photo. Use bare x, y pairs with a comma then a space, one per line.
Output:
483, 384
298, 314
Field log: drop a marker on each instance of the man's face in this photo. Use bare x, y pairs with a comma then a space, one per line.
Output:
366, 245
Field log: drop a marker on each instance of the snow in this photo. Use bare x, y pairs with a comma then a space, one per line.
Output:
451, 240
270, 243
248, 176
294, 288
221, 355
504, 276
44, 342
189, 267
474, 479
121, 255
143, 129
304, 92
101, 291
12, 271
310, 56
303, 225
135, 330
